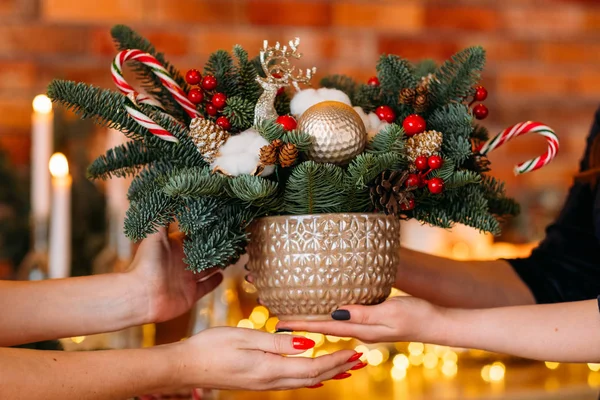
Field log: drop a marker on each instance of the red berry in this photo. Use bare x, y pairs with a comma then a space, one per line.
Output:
288, 122
209, 82
436, 185
435, 162
414, 124
409, 206
211, 109
481, 93
385, 113
219, 100
421, 163
413, 180
480, 111
195, 96
373, 81
223, 122
193, 77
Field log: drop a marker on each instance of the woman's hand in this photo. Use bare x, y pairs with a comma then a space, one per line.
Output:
245, 359
167, 287
397, 319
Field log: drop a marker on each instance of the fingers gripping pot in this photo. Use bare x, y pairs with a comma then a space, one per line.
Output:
306, 266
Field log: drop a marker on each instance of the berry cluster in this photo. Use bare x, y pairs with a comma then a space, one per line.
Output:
480, 111
203, 91
425, 165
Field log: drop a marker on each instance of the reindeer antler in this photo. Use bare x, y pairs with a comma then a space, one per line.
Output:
275, 62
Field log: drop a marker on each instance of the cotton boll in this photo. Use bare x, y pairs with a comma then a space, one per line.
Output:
374, 120
241, 154
364, 117
307, 98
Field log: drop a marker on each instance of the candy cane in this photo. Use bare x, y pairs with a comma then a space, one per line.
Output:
521, 129
135, 97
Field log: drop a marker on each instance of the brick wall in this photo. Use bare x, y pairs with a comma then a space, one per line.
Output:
543, 56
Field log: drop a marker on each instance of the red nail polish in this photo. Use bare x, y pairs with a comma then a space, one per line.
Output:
358, 366
302, 343
355, 357
318, 385
343, 375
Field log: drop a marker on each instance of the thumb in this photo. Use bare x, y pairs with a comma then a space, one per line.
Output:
278, 344
364, 315
209, 284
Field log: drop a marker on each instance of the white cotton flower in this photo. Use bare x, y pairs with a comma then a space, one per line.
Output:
307, 98
240, 155
372, 122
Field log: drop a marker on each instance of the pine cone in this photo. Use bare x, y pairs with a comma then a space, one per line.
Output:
407, 96
422, 88
424, 144
277, 143
268, 154
477, 161
208, 137
421, 103
390, 192
288, 155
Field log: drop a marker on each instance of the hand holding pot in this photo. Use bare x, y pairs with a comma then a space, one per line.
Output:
396, 319
211, 358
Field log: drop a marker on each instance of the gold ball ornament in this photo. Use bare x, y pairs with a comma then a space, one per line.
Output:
337, 131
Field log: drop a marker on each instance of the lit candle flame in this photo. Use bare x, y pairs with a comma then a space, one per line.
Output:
59, 166
42, 104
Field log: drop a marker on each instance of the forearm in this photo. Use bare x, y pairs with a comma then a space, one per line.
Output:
102, 375
472, 284
51, 309
565, 332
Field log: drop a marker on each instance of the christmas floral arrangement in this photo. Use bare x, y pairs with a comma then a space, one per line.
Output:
216, 149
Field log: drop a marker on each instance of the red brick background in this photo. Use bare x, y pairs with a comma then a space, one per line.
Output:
543, 55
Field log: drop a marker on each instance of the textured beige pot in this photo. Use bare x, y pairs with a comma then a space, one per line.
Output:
306, 266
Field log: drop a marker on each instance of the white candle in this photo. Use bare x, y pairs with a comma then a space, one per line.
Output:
59, 257
41, 148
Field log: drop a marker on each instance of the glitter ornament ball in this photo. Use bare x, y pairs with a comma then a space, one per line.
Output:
337, 131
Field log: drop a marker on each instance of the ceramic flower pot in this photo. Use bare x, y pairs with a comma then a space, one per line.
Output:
306, 266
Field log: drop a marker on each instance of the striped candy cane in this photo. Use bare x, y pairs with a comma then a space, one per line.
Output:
521, 129
167, 81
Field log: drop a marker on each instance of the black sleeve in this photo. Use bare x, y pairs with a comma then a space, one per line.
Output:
566, 265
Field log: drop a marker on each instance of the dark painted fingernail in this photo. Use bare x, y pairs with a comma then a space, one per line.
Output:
283, 330
318, 385
341, 315
341, 376
355, 357
358, 366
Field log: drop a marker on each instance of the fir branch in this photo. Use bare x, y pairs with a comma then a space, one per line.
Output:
368, 97
194, 182
301, 139
255, 191
389, 139
149, 178
122, 161
250, 89
456, 125
340, 82
462, 178
219, 247
151, 211
395, 74
125, 38
456, 77
282, 103
499, 204
270, 130
424, 68
240, 112
220, 65
199, 213
314, 188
